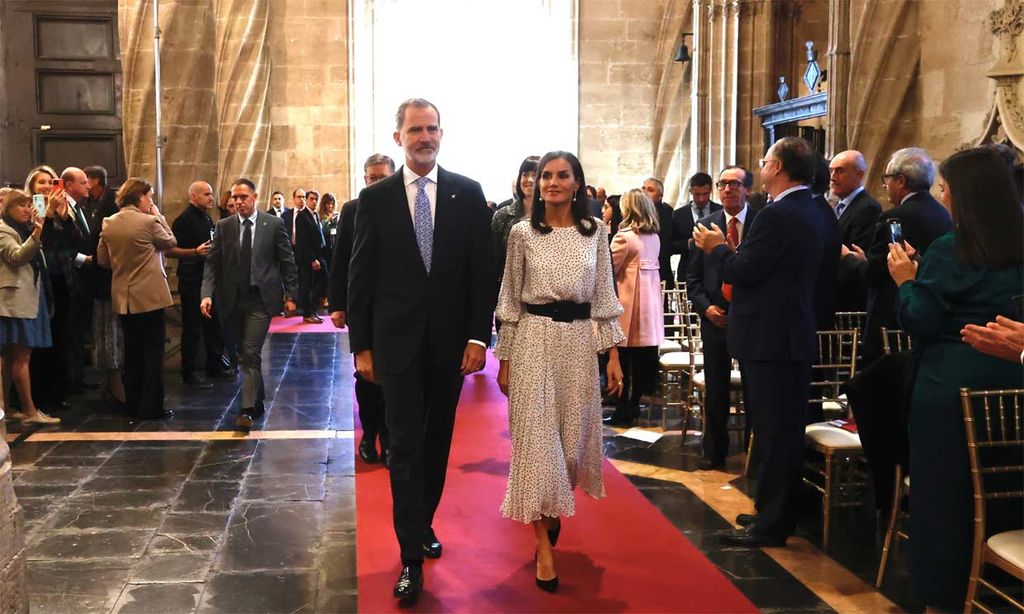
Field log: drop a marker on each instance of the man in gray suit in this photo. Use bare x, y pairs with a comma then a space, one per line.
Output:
250, 274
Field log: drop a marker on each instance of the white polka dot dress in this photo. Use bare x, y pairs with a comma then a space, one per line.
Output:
554, 405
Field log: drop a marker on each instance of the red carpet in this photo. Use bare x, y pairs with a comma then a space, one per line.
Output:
281, 324
616, 554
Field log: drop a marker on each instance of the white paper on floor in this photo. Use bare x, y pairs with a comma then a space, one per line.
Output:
642, 435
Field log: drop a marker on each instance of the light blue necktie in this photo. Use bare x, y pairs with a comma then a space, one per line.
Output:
424, 225
839, 209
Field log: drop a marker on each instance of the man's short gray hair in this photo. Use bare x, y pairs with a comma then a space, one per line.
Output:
419, 103
657, 182
915, 165
379, 159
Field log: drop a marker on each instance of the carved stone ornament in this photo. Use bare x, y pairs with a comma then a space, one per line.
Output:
1006, 119
812, 76
783, 90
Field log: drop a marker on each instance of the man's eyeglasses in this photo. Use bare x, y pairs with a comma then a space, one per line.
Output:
731, 183
887, 177
761, 163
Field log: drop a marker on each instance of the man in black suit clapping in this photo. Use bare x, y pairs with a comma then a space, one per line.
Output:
857, 213
420, 307
771, 329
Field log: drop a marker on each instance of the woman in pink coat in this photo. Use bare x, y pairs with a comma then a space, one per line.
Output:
635, 249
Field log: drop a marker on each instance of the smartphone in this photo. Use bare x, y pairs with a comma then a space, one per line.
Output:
895, 231
39, 201
58, 184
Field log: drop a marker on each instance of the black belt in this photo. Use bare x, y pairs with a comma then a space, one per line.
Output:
561, 311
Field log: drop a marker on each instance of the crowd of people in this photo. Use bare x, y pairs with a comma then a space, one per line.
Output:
420, 267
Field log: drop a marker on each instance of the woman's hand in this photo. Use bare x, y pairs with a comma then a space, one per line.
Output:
37, 226
614, 373
901, 267
503, 377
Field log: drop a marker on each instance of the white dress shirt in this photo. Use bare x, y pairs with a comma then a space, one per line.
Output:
72, 208
409, 177
241, 227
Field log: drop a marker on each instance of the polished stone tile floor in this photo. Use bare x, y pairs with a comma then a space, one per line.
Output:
265, 524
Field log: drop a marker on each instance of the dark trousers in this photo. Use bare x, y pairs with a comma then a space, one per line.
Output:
144, 338
195, 327
370, 399
306, 283
639, 377
420, 417
717, 392
79, 335
778, 404
248, 324
48, 367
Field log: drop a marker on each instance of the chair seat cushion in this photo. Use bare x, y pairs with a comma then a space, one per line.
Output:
1009, 546
826, 435
669, 346
735, 379
678, 360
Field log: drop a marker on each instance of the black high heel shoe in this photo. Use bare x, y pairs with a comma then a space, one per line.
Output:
548, 586
554, 533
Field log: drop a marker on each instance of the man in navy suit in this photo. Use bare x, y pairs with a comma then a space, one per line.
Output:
705, 291
908, 177
771, 328
685, 218
857, 213
420, 307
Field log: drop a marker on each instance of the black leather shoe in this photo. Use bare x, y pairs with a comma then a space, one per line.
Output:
620, 421
409, 585
192, 381
553, 535
164, 415
549, 586
431, 545
745, 520
747, 538
709, 465
244, 421
224, 373
367, 451
386, 454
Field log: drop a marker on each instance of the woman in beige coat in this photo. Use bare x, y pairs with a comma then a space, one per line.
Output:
24, 304
635, 249
130, 246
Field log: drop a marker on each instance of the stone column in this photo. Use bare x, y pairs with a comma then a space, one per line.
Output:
13, 590
700, 124
838, 75
243, 88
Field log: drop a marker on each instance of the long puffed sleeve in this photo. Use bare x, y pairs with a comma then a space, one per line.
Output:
510, 298
605, 308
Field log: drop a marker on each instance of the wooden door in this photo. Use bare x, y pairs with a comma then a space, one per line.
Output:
61, 103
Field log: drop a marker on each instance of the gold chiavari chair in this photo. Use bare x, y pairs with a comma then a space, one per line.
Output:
679, 368
894, 340
852, 320
994, 426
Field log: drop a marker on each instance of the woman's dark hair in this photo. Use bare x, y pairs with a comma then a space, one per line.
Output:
132, 191
580, 206
614, 201
322, 207
821, 176
985, 206
529, 165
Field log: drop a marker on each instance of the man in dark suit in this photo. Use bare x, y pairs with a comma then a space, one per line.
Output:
705, 291
771, 329
249, 275
276, 207
908, 177
685, 218
310, 250
369, 396
421, 302
655, 190
857, 213
288, 216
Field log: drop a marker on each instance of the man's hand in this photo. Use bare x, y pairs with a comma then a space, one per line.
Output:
364, 366
853, 250
716, 315
289, 306
204, 249
206, 307
708, 239
316, 265
503, 377
1003, 338
474, 358
338, 319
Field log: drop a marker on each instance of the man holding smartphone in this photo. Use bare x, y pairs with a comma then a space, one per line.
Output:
193, 229
918, 217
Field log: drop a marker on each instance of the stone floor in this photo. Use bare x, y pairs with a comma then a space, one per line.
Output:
187, 516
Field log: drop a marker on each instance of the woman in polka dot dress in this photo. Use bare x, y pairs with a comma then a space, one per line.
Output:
558, 310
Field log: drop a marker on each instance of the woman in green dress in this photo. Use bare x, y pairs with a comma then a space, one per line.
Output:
969, 276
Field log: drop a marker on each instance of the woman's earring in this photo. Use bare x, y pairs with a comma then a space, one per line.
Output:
574, 197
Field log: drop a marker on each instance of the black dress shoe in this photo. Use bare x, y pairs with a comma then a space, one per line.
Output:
367, 451
553, 535
192, 381
549, 586
224, 373
747, 538
708, 465
617, 419
164, 415
244, 421
410, 584
386, 454
745, 520
431, 545
259, 410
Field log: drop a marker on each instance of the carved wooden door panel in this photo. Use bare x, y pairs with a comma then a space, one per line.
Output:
62, 90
